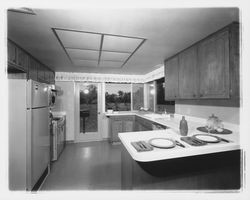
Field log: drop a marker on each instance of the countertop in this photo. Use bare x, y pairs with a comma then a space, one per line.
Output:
173, 133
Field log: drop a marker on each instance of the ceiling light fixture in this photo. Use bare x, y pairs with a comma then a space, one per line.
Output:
92, 49
23, 10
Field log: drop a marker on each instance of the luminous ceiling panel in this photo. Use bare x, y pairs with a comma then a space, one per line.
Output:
89, 49
117, 43
81, 40
110, 64
85, 63
83, 54
114, 56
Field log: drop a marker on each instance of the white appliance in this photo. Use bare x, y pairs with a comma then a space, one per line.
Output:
58, 136
29, 138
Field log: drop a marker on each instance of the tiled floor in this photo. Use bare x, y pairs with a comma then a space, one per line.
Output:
86, 166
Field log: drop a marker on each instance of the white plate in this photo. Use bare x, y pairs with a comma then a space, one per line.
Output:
162, 143
207, 138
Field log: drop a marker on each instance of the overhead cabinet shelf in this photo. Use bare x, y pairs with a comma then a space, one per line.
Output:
208, 69
21, 62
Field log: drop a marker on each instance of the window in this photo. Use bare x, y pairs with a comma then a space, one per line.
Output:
118, 96
161, 104
151, 96
137, 96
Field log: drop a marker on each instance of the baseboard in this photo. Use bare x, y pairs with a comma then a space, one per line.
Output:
41, 180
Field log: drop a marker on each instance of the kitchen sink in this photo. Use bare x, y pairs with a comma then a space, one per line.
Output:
158, 116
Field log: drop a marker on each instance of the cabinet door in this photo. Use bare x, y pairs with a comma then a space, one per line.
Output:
171, 78
46, 75
22, 60
40, 72
213, 60
128, 126
33, 69
51, 77
12, 55
116, 128
188, 74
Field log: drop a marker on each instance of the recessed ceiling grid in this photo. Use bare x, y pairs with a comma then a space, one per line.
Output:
90, 49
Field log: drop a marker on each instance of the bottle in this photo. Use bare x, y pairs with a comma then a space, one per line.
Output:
183, 127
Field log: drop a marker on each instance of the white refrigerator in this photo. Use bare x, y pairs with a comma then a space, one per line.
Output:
29, 136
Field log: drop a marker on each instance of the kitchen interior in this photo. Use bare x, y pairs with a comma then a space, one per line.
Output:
124, 99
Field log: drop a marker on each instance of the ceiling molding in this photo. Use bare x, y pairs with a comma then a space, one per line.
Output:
121, 78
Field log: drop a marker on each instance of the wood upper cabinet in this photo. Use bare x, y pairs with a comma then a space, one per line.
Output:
17, 58
188, 74
33, 69
51, 77
208, 69
22, 60
171, 78
12, 53
40, 72
213, 61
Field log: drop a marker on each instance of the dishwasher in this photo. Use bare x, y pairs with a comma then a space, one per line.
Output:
58, 136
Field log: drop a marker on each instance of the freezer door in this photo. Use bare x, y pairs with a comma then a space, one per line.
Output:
40, 142
38, 94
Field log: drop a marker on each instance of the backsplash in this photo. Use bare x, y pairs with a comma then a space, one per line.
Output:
226, 114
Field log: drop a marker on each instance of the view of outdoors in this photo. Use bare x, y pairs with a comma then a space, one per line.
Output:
161, 104
88, 108
138, 100
118, 96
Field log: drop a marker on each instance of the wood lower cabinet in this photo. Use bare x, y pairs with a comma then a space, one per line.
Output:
142, 124
188, 74
171, 78
119, 124
213, 60
116, 127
